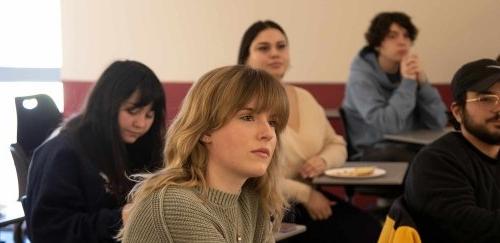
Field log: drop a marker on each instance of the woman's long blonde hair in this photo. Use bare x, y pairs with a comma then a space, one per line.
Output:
209, 105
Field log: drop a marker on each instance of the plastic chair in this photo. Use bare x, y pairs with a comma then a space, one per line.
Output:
21, 163
383, 193
37, 117
351, 152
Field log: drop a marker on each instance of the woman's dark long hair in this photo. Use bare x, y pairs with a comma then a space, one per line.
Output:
251, 33
97, 132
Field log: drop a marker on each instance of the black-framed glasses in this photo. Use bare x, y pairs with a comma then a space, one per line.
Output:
487, 100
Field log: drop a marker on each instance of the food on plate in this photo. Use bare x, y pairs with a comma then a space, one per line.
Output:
363, 171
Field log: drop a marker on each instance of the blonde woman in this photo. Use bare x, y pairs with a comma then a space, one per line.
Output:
220, 181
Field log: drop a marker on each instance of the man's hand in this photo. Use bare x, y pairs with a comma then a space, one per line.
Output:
411, 68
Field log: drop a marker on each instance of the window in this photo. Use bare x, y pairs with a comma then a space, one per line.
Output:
29, 64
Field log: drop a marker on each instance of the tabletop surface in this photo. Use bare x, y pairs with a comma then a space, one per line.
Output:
422, 137
288, 230
11, 213
395, 172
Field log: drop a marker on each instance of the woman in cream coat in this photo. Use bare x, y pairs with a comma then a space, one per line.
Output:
310, 146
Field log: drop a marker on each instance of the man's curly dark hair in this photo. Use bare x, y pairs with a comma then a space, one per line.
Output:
381, 24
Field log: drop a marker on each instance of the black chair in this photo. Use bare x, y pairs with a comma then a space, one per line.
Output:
37, 117
351, 152
349, 190
387, 193
399, 225
21, 163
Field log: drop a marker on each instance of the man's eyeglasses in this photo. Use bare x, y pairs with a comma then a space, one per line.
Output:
487, 100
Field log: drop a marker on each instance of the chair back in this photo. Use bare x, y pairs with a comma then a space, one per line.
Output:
37, 117
351, 152
399, 226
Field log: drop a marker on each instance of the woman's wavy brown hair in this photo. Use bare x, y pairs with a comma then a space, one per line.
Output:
210, 104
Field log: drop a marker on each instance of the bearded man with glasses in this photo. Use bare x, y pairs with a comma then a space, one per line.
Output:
453, 185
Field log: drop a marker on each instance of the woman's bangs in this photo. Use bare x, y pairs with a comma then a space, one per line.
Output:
271, 97
150, 93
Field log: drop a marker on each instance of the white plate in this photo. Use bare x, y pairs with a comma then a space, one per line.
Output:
346, 172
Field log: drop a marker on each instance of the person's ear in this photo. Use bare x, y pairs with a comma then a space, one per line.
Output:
206, 138
456, 111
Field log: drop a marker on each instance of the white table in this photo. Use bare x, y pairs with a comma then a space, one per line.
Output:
422, 137
288, 230
395, 173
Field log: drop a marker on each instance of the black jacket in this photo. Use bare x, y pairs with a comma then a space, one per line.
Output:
453, 192
67, 200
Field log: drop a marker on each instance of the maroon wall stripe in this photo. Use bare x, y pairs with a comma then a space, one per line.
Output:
329, 95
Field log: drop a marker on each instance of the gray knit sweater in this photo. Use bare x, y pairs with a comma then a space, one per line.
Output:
178, 214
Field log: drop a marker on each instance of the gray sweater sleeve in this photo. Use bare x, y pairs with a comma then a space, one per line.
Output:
146, 225
431, 107
172, 217
187, 221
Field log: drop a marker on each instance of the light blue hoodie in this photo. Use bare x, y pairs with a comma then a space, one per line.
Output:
374, 105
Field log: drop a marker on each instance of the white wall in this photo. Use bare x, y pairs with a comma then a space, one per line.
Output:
182, 39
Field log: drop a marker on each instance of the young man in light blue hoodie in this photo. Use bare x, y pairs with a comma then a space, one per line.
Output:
388, 91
